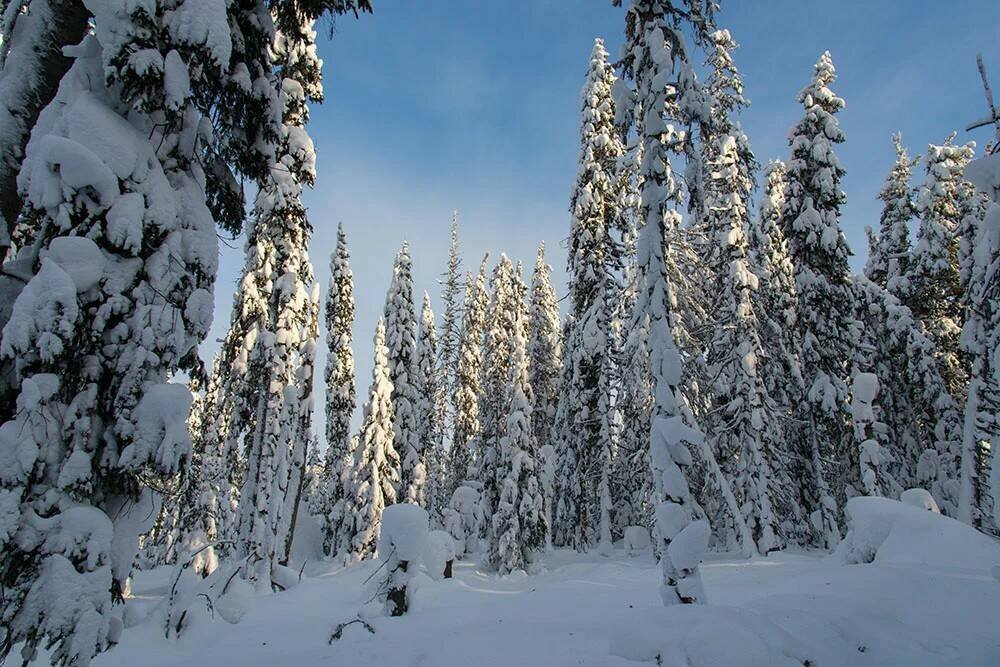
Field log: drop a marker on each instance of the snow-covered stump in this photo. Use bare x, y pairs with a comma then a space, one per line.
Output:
401, 547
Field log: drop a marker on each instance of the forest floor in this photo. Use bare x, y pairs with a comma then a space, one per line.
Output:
590, 609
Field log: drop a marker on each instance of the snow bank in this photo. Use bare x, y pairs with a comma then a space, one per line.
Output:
890, 532
706, 636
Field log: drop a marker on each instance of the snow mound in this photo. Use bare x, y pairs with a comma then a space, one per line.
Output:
921, 499
706, 636
890, 532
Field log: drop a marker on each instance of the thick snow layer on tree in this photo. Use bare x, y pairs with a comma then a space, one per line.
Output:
886, 531
404, 529
590, 610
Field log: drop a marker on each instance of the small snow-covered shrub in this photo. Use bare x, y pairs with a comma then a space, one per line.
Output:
439, 554
462, 518
401, 547
636, 539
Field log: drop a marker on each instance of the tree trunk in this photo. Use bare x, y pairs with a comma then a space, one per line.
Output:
33, 67
398, 595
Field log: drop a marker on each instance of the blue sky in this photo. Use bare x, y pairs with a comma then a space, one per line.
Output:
442, 104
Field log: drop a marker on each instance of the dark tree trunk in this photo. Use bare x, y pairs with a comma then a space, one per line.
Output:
398, 595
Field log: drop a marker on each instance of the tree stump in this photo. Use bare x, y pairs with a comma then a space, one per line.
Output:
447, 569
398, 595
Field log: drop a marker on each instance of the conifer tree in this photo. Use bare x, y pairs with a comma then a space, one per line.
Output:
401, 339
468, 380
594, 256
653, 47
544, 352
934, 286
632, 479
375, 472
888, 257
430, 425
744, 424
504, 317
517, 538
340, 398
117, 299
980, 247
825, 323
450, 340
281, 358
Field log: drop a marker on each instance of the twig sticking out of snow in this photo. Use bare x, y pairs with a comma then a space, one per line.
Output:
338, 631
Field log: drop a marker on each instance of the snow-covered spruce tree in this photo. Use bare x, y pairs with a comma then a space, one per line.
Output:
825, 324
632, 497
119, 299
934, 287
468, 379
430, 424
374, 476
401, 339
744, 425
565, 480
653, 46
724, 88
922, 420
594, 257
450, 339
518, 534
774, 302
544, 365
281, 358
32, 37
980, 334
504, 316
340, 398
888, 257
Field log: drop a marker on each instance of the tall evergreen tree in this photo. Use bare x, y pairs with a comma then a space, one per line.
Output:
450, 340
888, 256
401, 339
934, 289
281, 359
979, 249
468, 380
652, 50
744, 425
430, 424
594, 256
811, 219
115, 306
340, 398
774, 302
375, 472
518, 524
544, 350
504, 317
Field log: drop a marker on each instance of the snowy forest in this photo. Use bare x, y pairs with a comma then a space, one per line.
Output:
715, 444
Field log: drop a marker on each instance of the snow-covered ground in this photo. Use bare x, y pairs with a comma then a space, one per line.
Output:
929, 598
